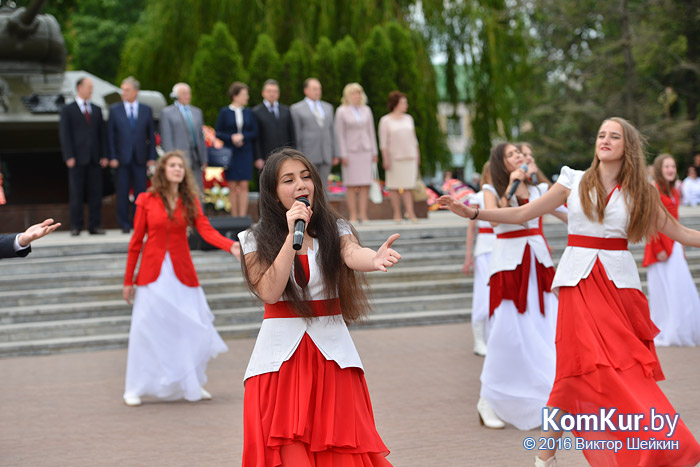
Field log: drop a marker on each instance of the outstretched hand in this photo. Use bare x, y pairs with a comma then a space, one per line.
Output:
37, 231
236, 250
451, 203
386, 256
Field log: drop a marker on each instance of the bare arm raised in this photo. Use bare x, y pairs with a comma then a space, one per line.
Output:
364, 259
552, 199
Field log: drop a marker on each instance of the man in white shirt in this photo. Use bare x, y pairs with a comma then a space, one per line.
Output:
313, 128
691, 188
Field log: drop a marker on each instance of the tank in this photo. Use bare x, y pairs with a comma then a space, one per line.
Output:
34, 85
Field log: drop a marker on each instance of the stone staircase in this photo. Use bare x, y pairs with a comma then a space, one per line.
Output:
66, 295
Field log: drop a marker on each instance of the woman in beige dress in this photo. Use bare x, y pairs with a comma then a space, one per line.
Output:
357, 143
400, 154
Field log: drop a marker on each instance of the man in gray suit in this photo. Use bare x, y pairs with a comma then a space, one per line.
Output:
313, 127
181, 128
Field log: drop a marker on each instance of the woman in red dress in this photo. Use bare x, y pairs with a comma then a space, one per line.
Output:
306, 401
674, 303
172, 334
606, 359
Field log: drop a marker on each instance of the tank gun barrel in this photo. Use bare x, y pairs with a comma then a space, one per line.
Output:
22, 22
31, 11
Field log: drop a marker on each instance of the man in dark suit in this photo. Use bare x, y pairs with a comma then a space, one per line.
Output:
18, 245
84, 147
132, 147
275, 126
314, 129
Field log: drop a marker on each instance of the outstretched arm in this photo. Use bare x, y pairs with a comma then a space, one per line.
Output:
469, 256
552, 199
364, 259
673, 229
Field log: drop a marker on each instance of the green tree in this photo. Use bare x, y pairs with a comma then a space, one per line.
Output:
323, 68
264, 64
216, 64
378, 71
346, 60
295, 69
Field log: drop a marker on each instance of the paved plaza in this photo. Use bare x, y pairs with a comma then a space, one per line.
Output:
66, 410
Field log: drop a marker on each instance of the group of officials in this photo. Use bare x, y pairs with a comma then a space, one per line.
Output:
127, 142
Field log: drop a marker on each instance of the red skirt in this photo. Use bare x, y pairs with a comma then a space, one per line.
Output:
606, 359
325, 411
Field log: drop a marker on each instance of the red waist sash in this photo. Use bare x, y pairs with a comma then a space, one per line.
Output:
485, 230
521, 233
597, 243
284, 309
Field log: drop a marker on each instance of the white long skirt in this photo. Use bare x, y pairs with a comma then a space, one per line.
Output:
481, 291
520, 362
172, 338
674, 303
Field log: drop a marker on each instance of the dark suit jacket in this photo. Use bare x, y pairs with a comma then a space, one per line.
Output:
131, 145
86, 143
273, 133
7, 247
226, 127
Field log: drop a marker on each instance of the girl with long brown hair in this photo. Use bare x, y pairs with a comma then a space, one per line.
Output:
306, 401
674, 303
172, 335
605, 339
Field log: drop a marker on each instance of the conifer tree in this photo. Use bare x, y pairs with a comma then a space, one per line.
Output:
216, 64
323, 68
264, 64
295, 69
377, 71
346, 61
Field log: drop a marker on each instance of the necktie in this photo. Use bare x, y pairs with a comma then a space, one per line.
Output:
87, 113
317, 114
132, 117
193, 135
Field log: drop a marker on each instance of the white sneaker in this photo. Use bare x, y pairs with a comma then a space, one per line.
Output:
205, 394
551, 462
478, 328
487, 417
132, 401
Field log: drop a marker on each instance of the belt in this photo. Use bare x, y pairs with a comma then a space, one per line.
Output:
597, 243
521, 233
485, 230
284, 309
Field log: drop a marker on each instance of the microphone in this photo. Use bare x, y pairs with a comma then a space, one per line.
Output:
299, 227
515, 184
534, 178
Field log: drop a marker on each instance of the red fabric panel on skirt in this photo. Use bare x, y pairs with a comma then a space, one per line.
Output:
606, 358
513, 285
313, 401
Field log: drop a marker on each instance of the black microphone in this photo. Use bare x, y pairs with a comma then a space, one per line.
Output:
299, 227
515, 184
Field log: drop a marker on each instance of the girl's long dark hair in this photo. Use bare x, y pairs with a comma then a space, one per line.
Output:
500, 175
271, 231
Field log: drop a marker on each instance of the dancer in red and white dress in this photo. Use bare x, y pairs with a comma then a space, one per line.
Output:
306, 401
674, 303
606, 357
518, 371
477, 259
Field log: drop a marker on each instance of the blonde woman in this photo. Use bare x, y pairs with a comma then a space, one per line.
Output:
357, 143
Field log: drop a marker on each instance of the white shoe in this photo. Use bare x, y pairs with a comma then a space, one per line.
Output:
205, 394
132, 401
487, 417
479, 341
551, 462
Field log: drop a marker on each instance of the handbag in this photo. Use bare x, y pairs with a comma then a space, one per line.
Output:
219, 157
375, 190
419, 193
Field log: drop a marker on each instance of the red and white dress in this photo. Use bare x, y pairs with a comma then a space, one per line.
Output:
305, 383
518, 370
673, 299
482, 257
605, 339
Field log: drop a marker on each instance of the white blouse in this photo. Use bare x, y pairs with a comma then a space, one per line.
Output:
279, 338
484, 241
508, 253
576, 263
